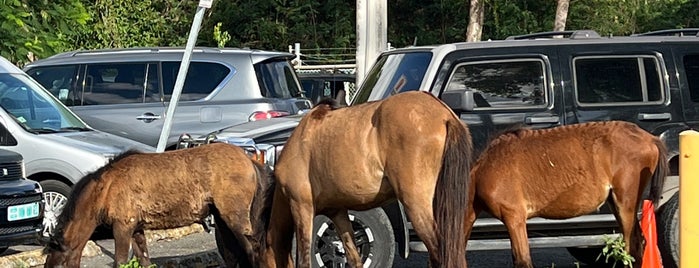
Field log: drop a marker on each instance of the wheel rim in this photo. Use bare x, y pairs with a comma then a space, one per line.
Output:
329, 251
53, 207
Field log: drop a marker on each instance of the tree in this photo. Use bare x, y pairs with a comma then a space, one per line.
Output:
475, 21
35, 29
561, 15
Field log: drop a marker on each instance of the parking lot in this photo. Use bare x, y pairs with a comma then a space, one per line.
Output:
192, 247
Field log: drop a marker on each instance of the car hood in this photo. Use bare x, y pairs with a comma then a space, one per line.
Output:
97, 142
257, 129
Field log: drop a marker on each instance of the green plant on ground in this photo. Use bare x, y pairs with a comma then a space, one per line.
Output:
133, 263
614, 248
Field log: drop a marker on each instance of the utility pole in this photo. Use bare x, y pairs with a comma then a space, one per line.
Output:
182, 74
372, 37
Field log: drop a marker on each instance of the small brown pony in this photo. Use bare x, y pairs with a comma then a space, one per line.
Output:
138, 191
410, 146
568, 171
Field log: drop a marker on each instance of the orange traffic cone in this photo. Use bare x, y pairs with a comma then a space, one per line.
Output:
651, 254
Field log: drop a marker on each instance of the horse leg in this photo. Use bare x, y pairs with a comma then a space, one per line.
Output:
140, 248
419, 211
344, 229
122, 240
280, 233
302, 212
227, 245
624, 208
516, 223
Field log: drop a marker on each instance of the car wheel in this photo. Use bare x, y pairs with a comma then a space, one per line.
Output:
590, 256
56, 195
373, 236
668, 221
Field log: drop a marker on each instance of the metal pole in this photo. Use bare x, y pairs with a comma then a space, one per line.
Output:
372, 34
689, 200
184, 66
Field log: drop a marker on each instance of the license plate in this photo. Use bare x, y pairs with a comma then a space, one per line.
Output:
21, 212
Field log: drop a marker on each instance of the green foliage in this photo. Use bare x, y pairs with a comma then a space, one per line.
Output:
133, 263
221, 37
614, 249
125, 23
47, 27
38, 27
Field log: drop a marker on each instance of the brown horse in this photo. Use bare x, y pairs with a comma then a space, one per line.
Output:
565, 172
410, 146
139, 191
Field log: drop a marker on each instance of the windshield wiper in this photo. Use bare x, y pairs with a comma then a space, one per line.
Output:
43, 130
76, 128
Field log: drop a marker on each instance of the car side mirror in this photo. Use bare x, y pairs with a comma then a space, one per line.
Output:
459, 100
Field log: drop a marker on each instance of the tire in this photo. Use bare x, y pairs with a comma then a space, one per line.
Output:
373, 236
668, 222
56, 195
590, 256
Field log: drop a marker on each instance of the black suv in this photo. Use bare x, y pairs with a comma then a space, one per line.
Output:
21, 203
540, 80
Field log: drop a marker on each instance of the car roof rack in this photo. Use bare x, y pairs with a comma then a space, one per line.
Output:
577, 34
672, 32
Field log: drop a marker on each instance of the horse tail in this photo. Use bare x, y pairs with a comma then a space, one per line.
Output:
451, 195
261, 208
661, 172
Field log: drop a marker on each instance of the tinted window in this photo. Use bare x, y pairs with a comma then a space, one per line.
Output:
114, 83
60, 81
277, 79
617, 80
691, 69
392, 74
202, 78
502, 84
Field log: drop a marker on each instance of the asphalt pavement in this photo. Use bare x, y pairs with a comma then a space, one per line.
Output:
192, 247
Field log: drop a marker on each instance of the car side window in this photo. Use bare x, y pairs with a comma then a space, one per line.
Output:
60, 81
617, 80
691, 69
202, 78
114, 83
502, 84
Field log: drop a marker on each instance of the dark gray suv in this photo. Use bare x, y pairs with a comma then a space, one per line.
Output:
126, 91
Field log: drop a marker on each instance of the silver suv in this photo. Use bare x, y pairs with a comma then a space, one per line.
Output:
126, 91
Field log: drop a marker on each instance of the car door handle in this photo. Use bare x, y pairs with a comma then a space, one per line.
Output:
660, 116
148, 117
542, 120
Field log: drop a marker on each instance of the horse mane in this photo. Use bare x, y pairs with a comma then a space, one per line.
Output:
520, 131
56, 240
328, 101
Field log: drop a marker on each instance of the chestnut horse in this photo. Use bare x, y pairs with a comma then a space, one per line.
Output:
139, 191
410, 146
565, 172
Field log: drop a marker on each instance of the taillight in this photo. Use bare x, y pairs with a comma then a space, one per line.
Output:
259, 115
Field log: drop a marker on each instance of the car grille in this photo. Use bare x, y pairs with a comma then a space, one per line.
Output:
10, 171
10, 201
18, 229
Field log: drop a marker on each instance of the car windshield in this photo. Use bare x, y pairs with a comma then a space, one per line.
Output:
392, 74
34, 108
